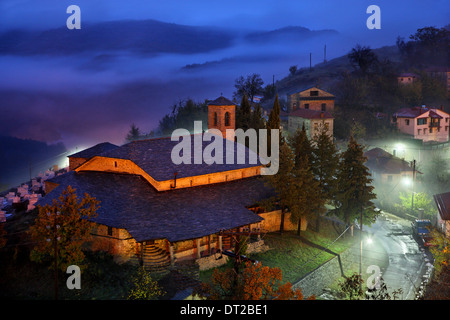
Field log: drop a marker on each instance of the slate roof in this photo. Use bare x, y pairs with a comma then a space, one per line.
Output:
128, 201
221, 101
154, 156
381, 161
94, 151
310, 114
415, 112
443, 204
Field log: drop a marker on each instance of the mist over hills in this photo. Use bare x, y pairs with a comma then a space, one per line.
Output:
140, 36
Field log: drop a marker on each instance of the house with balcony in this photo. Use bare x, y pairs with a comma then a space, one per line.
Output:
424, 123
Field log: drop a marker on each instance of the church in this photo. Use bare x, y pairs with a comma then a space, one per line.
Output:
155, 212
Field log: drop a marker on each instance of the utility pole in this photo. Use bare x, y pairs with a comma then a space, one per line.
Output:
237, 247
310, 62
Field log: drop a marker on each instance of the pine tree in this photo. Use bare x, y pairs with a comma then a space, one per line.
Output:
243, 114
326, 161
301, 145
283, 182
355, 192
273, 123
306, 200
133, 134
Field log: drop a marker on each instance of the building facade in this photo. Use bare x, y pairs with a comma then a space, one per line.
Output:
312, 98
312, 120
423, 123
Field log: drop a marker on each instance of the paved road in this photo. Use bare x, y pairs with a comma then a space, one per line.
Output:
407, 261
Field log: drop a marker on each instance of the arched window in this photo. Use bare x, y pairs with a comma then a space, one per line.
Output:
215, 118
227, 119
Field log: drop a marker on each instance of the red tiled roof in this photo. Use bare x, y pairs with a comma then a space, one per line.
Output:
443, 204
311, 114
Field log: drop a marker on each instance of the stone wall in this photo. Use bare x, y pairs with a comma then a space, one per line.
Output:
322, 277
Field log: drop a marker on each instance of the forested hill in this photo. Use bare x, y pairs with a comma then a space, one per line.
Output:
18, 156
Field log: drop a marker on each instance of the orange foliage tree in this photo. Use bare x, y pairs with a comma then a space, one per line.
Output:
63, 225
253, 282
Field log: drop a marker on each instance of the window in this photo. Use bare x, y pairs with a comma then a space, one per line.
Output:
110, 231
314, 93
446, 120
419, 131
421, 121
306, 105
227, 119
324, 107
425, 131
431, 130
215, 118
407, 122
115, 164
446, 128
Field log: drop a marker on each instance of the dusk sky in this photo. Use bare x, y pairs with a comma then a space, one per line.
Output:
91, 96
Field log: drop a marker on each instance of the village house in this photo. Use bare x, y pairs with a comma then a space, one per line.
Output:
387, 169
312, 98
423, 123
157, 213
407, 78
312, 120
442, 201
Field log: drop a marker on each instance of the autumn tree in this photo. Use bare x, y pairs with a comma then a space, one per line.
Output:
355, 192
144, 287
63, 224
255, 282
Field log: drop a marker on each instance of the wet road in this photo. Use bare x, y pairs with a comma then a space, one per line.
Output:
406, 262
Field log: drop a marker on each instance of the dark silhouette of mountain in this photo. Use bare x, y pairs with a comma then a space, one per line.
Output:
20, 158
290, 32
140, 36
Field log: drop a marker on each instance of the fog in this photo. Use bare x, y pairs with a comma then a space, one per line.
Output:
94, 96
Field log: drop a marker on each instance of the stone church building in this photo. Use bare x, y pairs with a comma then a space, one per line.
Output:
155, 212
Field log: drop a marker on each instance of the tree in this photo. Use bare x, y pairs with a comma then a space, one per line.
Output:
355, 192
363, 58
144, 287
250, 86
306, 199
326, 161
292, 70
351, 286
421, 201
273, 123
301, 145
283, 182
63, 224
134, 133
243, 114
255, 282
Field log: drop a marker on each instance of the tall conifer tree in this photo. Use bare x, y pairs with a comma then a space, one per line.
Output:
355, 192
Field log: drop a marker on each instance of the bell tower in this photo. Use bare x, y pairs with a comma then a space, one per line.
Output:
222, 115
